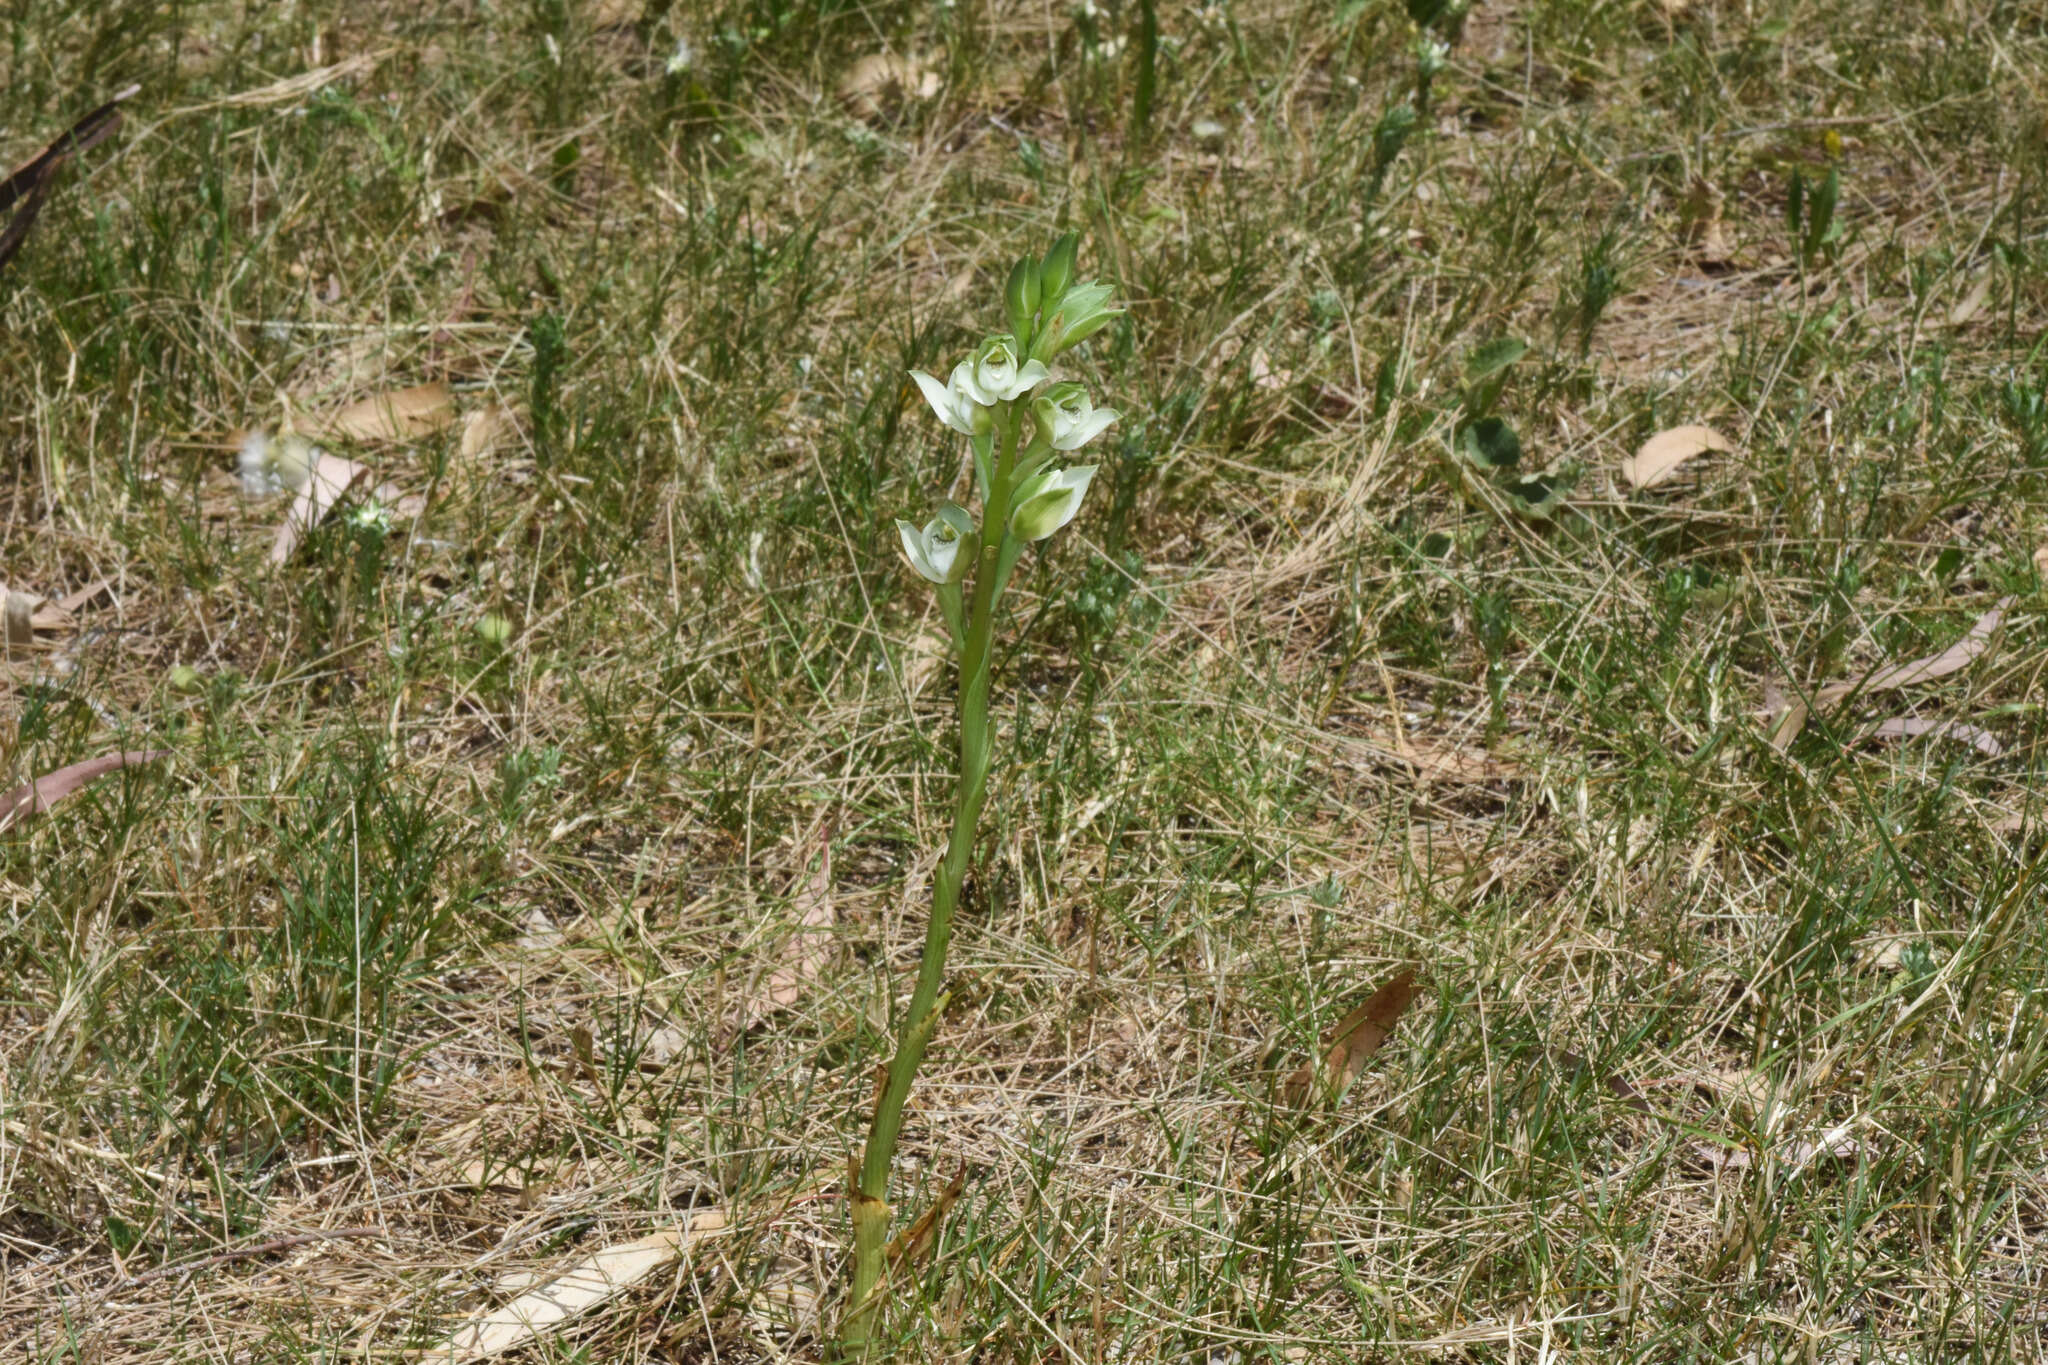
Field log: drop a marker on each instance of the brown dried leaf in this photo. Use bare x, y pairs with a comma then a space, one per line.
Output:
484, 430
71, 603
1836, 1144
1971, 303
39, 794
1708, 234
19, 610
881, 82
2017, 824
290, 88
1954, 659
1357, 1036
1660, 457
1264, 376
62, 614
1433, 761
43, 614
914, 1243
1912, 727
398, 415
330, 477
663, 1046
1615, 1085
1789, 715
927, 655
810, 946
403, 506
597, 1278
29, 184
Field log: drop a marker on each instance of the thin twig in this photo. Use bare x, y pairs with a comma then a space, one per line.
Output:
275, 1244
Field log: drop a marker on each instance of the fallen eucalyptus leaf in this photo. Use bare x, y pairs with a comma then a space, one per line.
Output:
270, 465
1836, 1144
20, 611
1911, 727
915, 1242
328, 479
38, 795
1357, 1036
1789, 715
596, 1279
928, 653
483, 431
398, 415
805, 954
880, 83
1615, 1085
1973, 302
29, 184
1660, 457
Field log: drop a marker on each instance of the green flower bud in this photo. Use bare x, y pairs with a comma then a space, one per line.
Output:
186, 680
1022, 296
493, 629
1083, 312
1057, 268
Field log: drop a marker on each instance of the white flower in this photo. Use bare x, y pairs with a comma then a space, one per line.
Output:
1048, 501
1067, 419
934, 552
954, 402
273, 466
996, 376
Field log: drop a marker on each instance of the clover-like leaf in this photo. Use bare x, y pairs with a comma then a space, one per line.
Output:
1491, 444
1493, 357
1538, 498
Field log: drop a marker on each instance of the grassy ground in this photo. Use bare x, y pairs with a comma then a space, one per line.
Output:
489, 947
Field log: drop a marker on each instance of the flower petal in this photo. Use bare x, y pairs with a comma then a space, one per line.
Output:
1085, 429
913, 550
936, 395
965, 383
1029, 376
1051, 502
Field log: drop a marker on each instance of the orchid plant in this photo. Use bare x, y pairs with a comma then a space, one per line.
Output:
1018, 426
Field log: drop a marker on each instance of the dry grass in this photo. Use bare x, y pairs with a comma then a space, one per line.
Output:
430, 961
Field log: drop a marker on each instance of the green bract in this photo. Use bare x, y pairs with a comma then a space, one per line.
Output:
1021, 296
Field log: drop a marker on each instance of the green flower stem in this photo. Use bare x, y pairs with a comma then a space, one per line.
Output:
870, 1199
